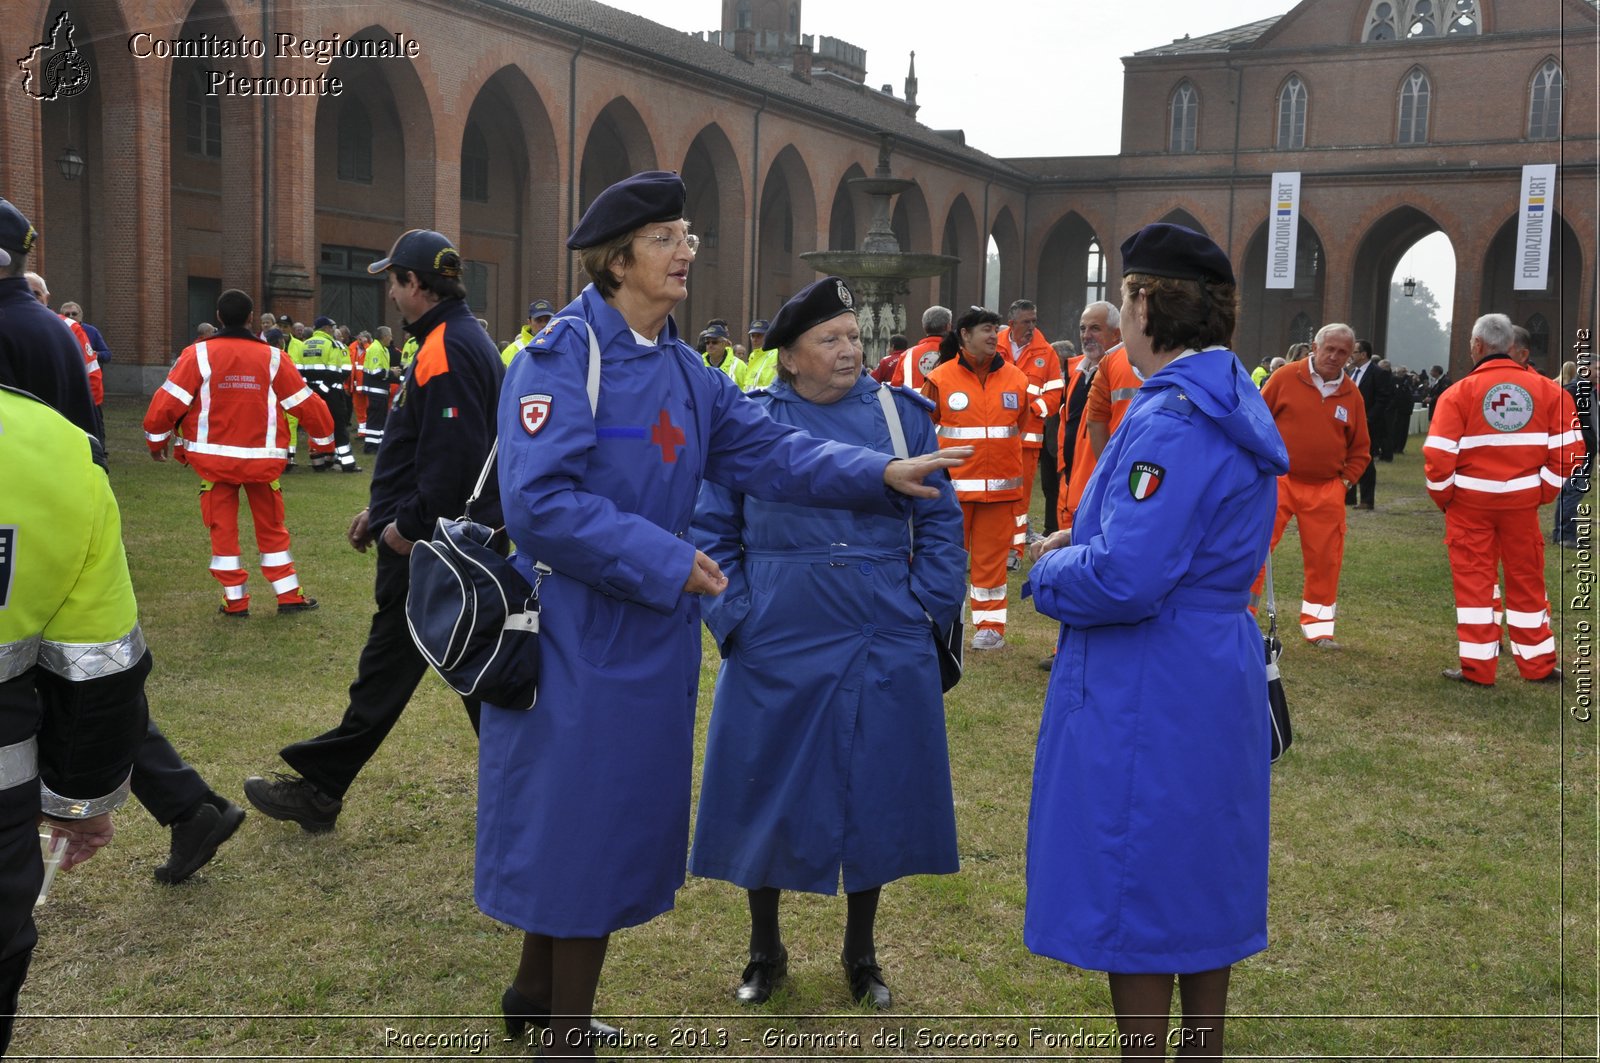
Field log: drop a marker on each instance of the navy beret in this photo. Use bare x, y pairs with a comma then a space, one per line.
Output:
541, 308
654, 195
817, 302
16, 234
422, 251
1166, 250
760, 325
323, 322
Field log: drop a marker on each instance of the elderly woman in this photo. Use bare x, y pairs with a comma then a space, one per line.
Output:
1147, 839
583, 802
827, 746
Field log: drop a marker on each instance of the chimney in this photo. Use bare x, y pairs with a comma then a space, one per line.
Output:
802, 63
744, 45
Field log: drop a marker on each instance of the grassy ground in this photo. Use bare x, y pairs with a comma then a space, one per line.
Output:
1433, 877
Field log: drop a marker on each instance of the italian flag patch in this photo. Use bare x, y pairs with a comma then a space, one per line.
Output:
452, 411
1145, 478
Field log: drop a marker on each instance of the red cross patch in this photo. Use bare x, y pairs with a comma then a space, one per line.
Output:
535, 411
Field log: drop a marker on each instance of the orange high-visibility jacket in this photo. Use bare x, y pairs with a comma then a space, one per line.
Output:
1327, 438
985, 415
909, 374
236, 391
1115, 384
1501, 438
91, 361
1039, 363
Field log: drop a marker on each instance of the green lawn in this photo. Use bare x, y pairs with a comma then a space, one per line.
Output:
1433, 876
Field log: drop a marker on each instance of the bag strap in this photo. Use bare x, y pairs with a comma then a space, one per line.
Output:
1271, 601
592, 385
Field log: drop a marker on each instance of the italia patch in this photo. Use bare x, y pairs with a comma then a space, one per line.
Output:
1507, 407
1145, 479
535, 412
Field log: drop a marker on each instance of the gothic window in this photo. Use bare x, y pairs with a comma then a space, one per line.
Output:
1414, 99
742, 15
1095, 274
794, 20
1464, 18
1391, 20
1382, 22
1300, 330
202, 119
355, 143
1292, 114
1185, 116
1544, 107
474, 165
1422, 21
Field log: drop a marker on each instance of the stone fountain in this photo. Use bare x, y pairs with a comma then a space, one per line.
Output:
879, 272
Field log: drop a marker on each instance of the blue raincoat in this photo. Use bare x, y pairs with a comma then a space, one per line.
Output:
1147, 837
583, 801
827, 747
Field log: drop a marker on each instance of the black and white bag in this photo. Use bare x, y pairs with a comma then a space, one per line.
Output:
473, 616
1278, 705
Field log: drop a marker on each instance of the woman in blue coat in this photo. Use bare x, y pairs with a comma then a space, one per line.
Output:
583, 801
1147, 838
827, 752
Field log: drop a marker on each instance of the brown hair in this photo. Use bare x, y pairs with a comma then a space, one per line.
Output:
596, 262
1185, 313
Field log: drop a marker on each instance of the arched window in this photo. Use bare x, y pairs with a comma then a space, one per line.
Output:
355, 143
1185, 117
1414, 98
1538, 337
1391, 20
794, 20
1544, 104
1095, 274
1422, 21
202, 119
1382, 22
742, 15
1300, 330
1292, 114
474, 165
1464, 18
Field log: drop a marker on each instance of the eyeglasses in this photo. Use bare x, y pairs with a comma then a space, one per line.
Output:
668, 242
74, 314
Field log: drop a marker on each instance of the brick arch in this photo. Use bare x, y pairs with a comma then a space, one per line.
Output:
786, 227
850, 216
913, 229
1266, 314
1008, 239
617, 145
1379, 250
962, 284
716, 210
1561, 301
1061, 290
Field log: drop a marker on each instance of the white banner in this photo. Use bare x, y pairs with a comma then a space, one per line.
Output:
1283, 229
1535, 219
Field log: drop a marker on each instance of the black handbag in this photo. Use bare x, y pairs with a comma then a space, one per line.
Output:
1277, 704
473, 616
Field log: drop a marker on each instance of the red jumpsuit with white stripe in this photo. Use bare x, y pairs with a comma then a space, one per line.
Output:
1039, 363
1500, 444
233, 394
986, 415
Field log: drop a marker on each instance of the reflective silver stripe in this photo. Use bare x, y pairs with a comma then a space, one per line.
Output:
222, 451
1034, 390
1033, 437
202, 430
234, 594
297, 398
54, 805
320, 441
1444, 443
286, 584
278, 557
1508, 439
1055, 385
78, 661
18, 657
225, 562
272, 395
1500, 487
19, 763
1122, 394
1474, 615
1478, 651
1551, 478
177, 392
987, 485
1565, 440
162, 438
92, 365
1536, 650
983, 432
1518, 618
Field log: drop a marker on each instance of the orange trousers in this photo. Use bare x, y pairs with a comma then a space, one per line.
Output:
359, 400
1319, 506
1030, 469
1480, 541
219, 509
988, 528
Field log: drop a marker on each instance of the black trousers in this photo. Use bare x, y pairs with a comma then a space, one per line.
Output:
1049, 475
1366, 487
386, 677
162, 781
339, 406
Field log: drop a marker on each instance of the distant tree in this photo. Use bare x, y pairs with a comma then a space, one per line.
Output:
1419, 336
991, 290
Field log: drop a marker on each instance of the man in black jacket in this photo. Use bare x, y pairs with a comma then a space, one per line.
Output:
1376, 385
435, 442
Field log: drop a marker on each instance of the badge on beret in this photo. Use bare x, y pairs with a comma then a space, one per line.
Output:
535, 411
1507, 407
1144, 479
1008, 399
845, 297
959, 400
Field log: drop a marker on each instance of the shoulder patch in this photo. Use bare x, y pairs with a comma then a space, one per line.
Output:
1144, 479
535, 412
1178, 401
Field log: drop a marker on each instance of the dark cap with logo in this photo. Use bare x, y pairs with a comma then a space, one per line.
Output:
715, 332
759, 326
422, 251
1166, 250
654, 195
817, 302
16, 233
323, 322
541, 308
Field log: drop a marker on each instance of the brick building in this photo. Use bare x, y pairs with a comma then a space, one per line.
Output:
498, 120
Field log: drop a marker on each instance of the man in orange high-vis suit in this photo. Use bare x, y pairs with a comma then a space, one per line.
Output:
1323, 420
237, 392
1501, 443
1024, 346
80, 339
923, 355
979, 401
1099, 334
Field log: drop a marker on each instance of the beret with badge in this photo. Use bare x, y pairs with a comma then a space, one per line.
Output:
1167, 250
817, 302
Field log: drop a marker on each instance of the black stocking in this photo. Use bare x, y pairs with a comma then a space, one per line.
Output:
765, 939
1141, 1002
861, 912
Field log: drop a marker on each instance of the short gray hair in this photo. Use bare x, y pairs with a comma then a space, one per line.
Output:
936, 320
1521, 338
1113, 314
1335, 326
1495, 332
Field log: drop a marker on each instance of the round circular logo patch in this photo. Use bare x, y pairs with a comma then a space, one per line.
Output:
959, 400
1507, 407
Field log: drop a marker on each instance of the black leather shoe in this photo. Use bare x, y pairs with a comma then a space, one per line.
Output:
293, 800
521, 1013
303, 606
349, 468
196, 840
761, 974
866, 982
233, 614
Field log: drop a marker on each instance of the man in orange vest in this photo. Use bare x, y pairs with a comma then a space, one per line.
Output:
1024, 346
1111, 392
1501, 443
80, 340
923, 355
240, 391
1323, 419
979, 401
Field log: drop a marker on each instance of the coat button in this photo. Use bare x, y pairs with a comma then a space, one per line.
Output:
867, 631
884, 683
866, 568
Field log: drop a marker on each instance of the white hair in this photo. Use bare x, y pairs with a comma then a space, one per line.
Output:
1332, 327
1495, 330
1113, 315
